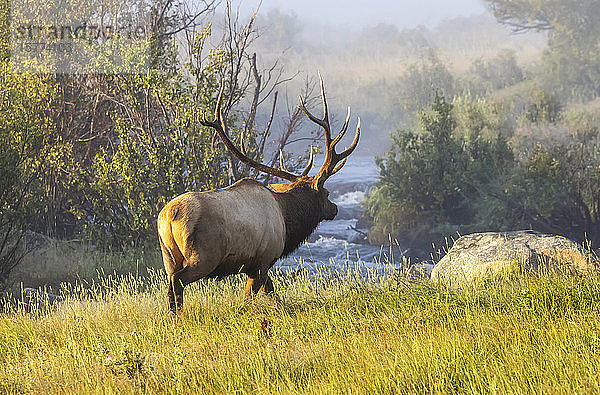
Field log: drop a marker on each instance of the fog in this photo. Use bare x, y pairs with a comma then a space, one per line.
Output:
341, 14
364, 60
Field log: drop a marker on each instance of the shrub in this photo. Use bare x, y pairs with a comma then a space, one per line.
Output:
430, 182
461, 173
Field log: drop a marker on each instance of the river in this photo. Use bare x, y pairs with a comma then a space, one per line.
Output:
337, 248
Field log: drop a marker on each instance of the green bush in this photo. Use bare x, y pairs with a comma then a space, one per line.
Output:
430, 181
32, 157
557, 189
465, 172
486, 76
543, 108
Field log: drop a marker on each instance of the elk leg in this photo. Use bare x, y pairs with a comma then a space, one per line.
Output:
186, 276
171, 297
253, 285
258, 281
267, 283
177, 287
173, 261
249, 286
178, 281
268, 286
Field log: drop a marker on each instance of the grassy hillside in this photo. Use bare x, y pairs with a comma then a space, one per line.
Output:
116, 336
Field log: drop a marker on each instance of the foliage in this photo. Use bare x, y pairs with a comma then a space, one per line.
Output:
157, 154
486, 76
422, 82
429, 181
544, 108
570, 67
466, 172
32, 158
566, 181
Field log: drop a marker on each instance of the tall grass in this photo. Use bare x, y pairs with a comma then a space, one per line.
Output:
61, 262
115, 335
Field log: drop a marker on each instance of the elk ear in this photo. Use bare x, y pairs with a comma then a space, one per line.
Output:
280, 187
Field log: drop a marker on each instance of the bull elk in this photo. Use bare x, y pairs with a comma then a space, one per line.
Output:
247, 227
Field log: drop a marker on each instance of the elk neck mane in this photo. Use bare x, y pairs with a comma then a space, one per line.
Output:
302, 212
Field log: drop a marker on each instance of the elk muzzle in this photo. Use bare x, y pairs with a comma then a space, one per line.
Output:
331, 210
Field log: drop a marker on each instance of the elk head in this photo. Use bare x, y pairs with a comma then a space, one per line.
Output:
311, 188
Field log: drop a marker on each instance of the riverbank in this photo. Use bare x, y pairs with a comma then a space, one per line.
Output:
387, 335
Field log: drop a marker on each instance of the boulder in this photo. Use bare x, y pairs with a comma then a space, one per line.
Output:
420, 269
481, 255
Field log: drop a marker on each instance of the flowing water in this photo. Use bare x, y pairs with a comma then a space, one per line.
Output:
338, 246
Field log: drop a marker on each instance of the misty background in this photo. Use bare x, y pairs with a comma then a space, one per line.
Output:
365, 54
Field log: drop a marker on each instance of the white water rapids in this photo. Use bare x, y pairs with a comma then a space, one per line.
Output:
333, 247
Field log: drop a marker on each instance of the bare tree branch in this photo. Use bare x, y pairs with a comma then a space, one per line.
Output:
189, 18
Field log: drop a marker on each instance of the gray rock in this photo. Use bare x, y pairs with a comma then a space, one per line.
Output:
481, 255
421, 269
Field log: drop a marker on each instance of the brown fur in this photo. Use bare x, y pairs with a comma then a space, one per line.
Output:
303, 208
243, 228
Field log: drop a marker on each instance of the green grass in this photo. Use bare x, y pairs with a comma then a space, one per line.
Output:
61, 262
115, 335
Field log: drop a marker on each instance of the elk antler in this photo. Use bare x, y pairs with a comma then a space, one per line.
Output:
306, 169
220, 126
333, 161
309, 166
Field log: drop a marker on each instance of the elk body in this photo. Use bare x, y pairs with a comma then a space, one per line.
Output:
246, 227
